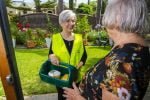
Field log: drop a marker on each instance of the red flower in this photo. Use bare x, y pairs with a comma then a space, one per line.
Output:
27, 25
20, 26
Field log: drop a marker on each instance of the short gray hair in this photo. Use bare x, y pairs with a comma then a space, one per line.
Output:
65, 15
127, 16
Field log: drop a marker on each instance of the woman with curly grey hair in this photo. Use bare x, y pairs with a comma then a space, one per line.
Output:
123, 74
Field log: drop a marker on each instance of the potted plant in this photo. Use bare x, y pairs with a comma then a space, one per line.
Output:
30, 43
48, 40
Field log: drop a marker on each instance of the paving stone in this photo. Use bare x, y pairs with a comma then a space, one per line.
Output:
50, 96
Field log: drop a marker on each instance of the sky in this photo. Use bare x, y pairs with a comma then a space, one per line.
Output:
31, 1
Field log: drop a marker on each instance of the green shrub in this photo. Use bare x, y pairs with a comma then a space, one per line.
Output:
21, 38
29, 35
103, 34
52, 28
85, 9
92, 36
82, 25
95, 37
13, 29
40, 39
13, 18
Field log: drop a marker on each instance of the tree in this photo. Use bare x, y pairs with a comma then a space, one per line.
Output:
8, 2
93, 4
37, 5
71, 4
88, 2
98, 11
104, 2
148, 4
60, 6
83, 25
84, 9
49, 4
23, 6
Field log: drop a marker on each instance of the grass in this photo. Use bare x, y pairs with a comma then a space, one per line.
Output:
29, 62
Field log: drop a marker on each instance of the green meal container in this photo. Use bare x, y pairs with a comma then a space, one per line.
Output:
64, 68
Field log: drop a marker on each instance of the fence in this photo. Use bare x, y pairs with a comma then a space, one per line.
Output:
40, 20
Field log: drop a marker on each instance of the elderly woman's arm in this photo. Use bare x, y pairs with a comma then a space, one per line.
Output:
73, 94
54, 59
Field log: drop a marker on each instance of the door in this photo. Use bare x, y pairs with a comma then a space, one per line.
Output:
8, 67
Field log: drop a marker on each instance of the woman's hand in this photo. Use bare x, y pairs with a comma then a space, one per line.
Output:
72, 94
106, 95
79, 64
54, 59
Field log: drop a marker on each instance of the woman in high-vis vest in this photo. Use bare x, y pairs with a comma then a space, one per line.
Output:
66, 46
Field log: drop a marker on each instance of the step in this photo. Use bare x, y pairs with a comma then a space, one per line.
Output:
50, 96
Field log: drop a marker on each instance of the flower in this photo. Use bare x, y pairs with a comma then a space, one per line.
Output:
118, 81
127, 67
109, 73
27, 25
20, 26
123, 94
107, 61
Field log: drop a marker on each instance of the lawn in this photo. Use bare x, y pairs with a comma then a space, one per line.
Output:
29, 62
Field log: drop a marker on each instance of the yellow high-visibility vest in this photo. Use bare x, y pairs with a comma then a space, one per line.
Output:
60, 50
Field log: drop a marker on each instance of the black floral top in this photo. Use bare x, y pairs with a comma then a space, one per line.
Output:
124, 72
